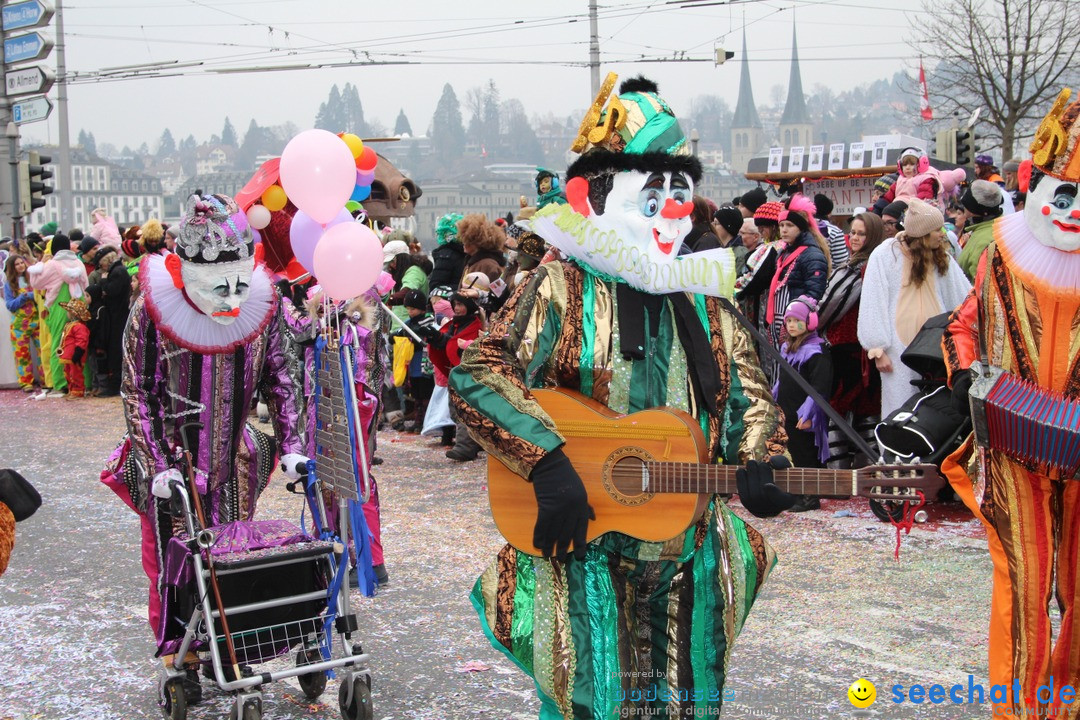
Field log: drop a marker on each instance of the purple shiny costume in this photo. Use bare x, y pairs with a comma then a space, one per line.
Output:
165, 386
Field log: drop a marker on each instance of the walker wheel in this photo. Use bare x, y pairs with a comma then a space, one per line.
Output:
252, 710
360, 707
171, 699
313, 684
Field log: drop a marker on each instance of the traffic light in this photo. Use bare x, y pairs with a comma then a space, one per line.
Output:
963, 147
37, 177
945, 145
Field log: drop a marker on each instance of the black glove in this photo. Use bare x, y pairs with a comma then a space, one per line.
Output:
18, 494
77, 356
757, 491
960, 398
563, 511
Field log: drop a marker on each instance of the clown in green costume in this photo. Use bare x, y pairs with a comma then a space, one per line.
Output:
620, 624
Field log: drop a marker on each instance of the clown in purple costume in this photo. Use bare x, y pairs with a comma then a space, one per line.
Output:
204, 337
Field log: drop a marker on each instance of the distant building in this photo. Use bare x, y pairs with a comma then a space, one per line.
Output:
796, 128
492, 196
223, 183
747, 132
213, 158
130, 196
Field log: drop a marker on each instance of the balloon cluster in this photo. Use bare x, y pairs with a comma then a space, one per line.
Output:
322, 174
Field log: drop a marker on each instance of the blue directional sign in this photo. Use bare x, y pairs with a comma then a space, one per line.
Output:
21, 48
22, 15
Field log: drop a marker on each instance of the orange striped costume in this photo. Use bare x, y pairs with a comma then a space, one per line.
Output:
1032, 518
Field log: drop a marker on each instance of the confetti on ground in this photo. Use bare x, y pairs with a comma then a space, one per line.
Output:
74, 644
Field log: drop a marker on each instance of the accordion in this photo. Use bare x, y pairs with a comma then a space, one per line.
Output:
1036, 427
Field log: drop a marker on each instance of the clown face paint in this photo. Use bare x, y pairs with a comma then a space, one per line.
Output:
1052, 213
650, 211
218, 289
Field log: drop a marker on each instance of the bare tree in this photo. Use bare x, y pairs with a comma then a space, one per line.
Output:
1009, 57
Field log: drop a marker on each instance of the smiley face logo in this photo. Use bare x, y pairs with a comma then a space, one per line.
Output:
862, 693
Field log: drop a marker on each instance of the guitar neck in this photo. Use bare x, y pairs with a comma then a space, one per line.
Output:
676, 477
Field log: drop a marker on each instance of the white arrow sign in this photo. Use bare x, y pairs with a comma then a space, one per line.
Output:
28, 80
31, 109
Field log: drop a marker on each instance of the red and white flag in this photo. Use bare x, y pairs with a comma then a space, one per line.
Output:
924, 101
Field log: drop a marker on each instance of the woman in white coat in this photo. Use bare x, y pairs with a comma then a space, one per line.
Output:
909, 279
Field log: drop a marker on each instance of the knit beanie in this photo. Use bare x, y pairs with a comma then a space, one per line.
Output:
768, 213
796, 203
59, 242
922, 218
86, 245
1011, 165
895, 209
885, 182
730, 219
415, 299
983, 198
754, 199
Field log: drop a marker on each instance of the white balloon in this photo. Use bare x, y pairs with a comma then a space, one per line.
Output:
258, 217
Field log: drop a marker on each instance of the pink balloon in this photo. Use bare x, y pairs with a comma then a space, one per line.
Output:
304, 235
365, 177
318, 173
348, 260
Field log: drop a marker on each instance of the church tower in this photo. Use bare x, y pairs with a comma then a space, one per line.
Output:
747, 134
796, 129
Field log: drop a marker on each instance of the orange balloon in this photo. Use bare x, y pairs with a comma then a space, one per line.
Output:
356, 145
274, 198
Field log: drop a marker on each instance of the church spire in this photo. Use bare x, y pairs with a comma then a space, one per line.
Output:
795, 112
746, 115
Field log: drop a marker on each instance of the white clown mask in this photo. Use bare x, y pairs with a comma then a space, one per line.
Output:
650, 211
218, 289
1052, 212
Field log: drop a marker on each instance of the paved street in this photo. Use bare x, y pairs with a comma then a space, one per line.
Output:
74, 643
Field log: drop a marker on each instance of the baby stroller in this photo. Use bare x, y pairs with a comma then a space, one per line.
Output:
926, 428
254, 591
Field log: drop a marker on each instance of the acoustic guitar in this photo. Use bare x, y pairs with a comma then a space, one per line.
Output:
648, 476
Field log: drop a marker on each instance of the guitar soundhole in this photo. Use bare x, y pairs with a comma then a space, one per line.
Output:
623, 476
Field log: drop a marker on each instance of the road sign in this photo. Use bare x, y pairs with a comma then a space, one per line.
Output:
31, 109
22, 15
28, 80
24, 48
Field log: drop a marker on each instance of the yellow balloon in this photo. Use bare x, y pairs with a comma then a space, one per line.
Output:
274, 198
356, 145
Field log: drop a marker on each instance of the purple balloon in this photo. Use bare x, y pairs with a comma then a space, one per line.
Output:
305, 233
364, 177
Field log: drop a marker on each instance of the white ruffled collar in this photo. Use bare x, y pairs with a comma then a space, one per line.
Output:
184, 325
1036, 264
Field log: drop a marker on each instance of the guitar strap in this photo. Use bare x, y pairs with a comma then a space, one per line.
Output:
766, 345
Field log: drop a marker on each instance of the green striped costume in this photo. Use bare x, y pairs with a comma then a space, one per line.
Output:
634, 624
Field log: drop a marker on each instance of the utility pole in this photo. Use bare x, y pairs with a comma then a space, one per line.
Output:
63, 183
594, 50
11, 133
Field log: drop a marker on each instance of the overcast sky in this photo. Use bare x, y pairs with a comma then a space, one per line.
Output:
490, 37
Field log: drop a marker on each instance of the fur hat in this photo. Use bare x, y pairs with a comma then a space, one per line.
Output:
151, 231
983, 198
823, 206
922, 218
754, 199
214, 229
730, 219
636, 131
768, 213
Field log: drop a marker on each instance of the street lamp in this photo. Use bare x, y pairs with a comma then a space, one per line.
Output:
694, 138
